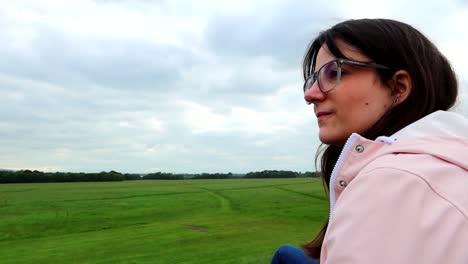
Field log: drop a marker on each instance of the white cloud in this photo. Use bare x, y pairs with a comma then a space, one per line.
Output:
203, 119
181, 86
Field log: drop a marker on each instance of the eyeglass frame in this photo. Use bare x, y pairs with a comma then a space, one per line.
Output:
340, 62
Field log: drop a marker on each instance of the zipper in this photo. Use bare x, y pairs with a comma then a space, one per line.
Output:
353, 138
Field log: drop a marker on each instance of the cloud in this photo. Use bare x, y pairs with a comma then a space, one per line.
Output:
181, 86
281, 30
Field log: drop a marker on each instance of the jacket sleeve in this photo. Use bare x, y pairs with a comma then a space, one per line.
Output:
389, 216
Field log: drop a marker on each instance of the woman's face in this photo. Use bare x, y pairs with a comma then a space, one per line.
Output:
358, 102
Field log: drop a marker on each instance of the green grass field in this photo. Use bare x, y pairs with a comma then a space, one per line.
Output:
187, 221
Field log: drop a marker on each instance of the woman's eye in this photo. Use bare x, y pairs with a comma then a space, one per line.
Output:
331, 74
331, 71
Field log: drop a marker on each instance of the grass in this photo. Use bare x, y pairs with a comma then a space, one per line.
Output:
189, 221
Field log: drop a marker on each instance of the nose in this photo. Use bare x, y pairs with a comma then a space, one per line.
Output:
314, 94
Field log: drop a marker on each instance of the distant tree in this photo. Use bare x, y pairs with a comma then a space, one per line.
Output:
272, 174
24, 176
163, 176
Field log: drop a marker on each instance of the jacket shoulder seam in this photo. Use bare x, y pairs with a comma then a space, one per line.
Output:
432, 187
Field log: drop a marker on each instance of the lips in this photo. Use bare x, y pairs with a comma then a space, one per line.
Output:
323, 115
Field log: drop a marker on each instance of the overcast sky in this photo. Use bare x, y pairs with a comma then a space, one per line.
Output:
177, 86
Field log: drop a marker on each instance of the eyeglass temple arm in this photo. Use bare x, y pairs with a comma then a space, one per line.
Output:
366, 64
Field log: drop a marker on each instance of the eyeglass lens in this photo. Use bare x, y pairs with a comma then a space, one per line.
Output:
328, 77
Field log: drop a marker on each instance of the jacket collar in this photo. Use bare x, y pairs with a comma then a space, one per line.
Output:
440, 134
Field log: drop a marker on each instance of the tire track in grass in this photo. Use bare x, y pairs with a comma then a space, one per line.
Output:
20, 190
301, 193
253, 187
130, 196
225, 202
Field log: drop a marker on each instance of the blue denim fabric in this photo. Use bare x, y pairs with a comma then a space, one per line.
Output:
288, 254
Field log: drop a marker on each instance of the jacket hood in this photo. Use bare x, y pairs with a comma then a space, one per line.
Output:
439, 123
441, 134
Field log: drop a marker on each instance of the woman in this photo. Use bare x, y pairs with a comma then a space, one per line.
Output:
394, 161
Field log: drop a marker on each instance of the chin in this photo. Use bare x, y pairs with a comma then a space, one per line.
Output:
330, 140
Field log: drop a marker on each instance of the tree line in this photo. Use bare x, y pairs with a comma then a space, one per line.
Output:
28, 176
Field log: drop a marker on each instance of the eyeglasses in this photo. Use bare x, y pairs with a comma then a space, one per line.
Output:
329, 75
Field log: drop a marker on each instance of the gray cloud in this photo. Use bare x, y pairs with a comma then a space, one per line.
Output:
281, 31
112, 63
168, 86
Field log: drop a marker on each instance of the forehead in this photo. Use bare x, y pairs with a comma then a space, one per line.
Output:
350, 52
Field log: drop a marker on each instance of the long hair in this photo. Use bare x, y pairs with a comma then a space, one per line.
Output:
400, 47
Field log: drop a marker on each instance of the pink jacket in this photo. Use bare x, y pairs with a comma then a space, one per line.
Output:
402, 199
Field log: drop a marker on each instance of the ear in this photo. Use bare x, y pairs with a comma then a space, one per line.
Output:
401, 85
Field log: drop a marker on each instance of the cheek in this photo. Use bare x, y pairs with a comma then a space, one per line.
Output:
369, 104
362, 115
377, 105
